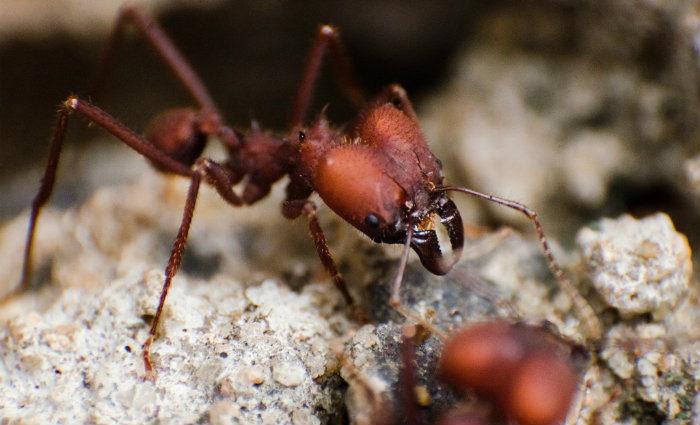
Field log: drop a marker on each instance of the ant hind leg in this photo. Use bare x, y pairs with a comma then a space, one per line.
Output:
327, 38
164, 47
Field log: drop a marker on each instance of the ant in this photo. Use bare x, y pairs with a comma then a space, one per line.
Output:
378, 173
527, 371
509, 372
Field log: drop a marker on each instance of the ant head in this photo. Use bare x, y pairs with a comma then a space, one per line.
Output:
352, 180
389, 124
362, 185
382, 179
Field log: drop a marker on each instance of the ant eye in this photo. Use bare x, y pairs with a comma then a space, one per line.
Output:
396, 102
302, 136
372, 221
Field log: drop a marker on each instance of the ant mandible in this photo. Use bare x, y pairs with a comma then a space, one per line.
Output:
378, 174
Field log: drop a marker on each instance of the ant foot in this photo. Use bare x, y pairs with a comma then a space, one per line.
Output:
146, 353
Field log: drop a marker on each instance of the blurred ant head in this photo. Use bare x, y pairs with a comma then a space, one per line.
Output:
530, 373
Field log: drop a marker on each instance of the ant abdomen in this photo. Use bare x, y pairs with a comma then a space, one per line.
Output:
176, 133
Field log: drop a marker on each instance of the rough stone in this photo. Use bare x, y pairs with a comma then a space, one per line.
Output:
638, 266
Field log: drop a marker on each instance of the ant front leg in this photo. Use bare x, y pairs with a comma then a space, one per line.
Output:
293, 209
395, 297
583, 309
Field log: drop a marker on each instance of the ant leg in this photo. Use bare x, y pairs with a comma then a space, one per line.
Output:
126, 135
220, 177
583, 309
165, 48
217, 176
395, 298
326, 39
43, 195
174, 263
407, 374
293, 209
396, 94
112, 125
173, 60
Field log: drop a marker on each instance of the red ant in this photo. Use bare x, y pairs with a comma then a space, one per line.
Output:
526, 371
519, 373
378, 174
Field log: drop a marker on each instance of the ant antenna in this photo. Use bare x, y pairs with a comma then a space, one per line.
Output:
583, 309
